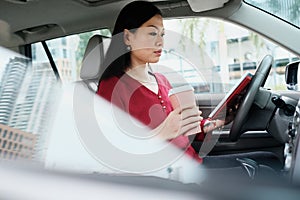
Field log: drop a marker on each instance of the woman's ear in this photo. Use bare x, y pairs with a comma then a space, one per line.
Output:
127, 36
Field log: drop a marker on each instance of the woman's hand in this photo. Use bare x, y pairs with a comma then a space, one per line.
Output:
210, 125
180, 122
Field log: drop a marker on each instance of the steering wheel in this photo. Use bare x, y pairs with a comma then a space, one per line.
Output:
257, 81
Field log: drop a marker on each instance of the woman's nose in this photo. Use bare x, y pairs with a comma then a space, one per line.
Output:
159, 41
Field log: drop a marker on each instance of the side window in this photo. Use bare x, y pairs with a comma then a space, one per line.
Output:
212, 55
27, 91
68, 52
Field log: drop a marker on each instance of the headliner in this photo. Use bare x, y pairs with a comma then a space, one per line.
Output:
36, 20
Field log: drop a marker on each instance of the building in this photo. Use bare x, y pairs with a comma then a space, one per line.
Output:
12, 79
16, 144
63, 51
26, 98
27, 93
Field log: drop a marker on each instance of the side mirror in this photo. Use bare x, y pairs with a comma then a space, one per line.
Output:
291, 75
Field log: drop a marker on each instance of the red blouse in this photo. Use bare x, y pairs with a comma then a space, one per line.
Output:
143, 104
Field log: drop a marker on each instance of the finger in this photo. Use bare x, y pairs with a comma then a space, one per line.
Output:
193, 131
190, 112
190, 107
190, 120
177, 110
220, 122
189, 127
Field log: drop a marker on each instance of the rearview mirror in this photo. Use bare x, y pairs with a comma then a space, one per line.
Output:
291, 75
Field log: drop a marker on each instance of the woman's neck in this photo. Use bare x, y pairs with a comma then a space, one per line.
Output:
139, 72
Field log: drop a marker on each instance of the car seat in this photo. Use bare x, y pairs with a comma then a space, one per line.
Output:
93, 58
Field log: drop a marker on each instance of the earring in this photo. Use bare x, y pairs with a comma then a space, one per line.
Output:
128, 48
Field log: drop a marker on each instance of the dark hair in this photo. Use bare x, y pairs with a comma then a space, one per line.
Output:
131, 17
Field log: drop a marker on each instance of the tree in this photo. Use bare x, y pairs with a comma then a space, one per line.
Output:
196, 29
83, 40
191, 27
258, 42
295, 12
287, 9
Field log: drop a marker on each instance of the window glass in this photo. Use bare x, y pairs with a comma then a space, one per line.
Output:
68, 52
288, 10
212, 55
27, 91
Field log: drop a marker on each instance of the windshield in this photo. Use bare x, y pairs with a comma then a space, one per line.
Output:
287, 10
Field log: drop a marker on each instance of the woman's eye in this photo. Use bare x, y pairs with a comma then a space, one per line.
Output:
163, 34
153, 34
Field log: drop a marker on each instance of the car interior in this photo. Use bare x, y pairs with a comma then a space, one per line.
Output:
261, 143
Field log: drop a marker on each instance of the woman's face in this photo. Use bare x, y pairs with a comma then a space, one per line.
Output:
146, 42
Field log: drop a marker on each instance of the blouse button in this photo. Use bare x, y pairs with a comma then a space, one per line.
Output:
164, 107
159, 97
162, 101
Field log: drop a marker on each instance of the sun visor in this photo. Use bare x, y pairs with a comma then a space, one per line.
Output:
204, 5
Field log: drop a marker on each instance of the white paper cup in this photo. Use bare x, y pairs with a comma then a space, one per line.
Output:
182, 97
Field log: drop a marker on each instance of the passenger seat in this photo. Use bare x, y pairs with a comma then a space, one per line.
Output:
93, 58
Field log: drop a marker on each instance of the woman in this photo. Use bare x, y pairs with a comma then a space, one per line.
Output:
127, 82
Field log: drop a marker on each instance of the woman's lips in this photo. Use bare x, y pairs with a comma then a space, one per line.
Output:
158, 52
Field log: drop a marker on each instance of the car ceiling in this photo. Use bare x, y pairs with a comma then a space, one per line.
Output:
28, 21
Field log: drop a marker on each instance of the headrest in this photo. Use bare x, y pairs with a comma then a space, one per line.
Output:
93, 57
